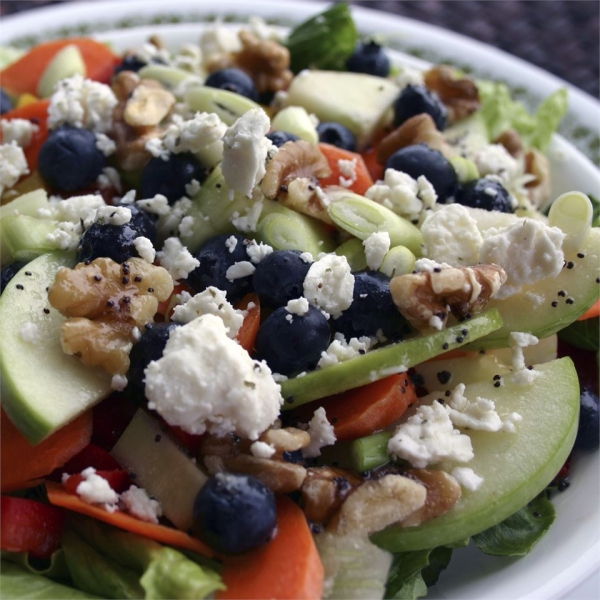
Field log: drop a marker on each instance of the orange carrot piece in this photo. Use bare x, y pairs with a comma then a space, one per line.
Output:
166, 535
373, 166
593, 311
247, 333
24, 75
289, 566
333, 154
22, 464
370, 408
37, 112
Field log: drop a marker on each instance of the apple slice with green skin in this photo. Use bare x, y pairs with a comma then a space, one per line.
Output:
515, 467
382, 362
42, 387
540, 309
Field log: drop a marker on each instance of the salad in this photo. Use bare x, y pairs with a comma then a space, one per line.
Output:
281, 319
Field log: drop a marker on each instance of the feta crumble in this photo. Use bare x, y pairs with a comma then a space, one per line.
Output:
230, 243
30, 332
219, 387
96, 490
262, 449
176, 258
13, 165
341, 350
137, 502
321, 434
377, 245
105, 144
109, 215
298, 307
243, 268
19, 131
329, 284
145, 248
118, 382
348, 172
467, 478
186, 227
195, 134
159, 205
257, 251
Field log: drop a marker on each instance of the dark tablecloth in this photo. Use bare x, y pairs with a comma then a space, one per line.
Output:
562, 37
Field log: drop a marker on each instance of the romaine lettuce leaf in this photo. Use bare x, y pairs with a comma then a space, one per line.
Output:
500, 112
16, 582
54, 567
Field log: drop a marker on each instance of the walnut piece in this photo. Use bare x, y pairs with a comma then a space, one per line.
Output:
424, 298
266, 61
376, 504
103, 302
511, 140
292, 177
443, 492
419, 129
538, 190
460, 95
287, 439
324, 490
148, 104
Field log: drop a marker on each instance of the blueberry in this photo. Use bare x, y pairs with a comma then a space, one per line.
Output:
279, 277
292, 343
110, 241
8, 273
369, 58
149, 347
5, 103
372, 309
169, 177
216, 256
420, 159
69, 159
416, 100
336, 135
235, 513
588, 435
130, 63
233, 80
485, 193
279, 138
143, 221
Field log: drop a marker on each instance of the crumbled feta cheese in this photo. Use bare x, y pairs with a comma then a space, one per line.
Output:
155, 147
19, 131
82, 103
307, 257
494, 159
30, 332
186, 227
298, 307
428, 437
527, 250
96, 490
118, 382
231, 243
426, 265
256, 251
192, 188
137, 502
105, 144
110, 178
348, 172
74, 209
168, 223
404, 195
451, 234
110, 215
205, 381
340, 350
262, 449
195, 134
217, 43
408, 76
245, 151
377, 245
522, 375
148, 53
248, 222
321, 434
214, 302
13, 165
159, 205
66, 236
176, 258
480, 415
467, 478
128, 198
329, 284
243, 268
145, 248
263, 31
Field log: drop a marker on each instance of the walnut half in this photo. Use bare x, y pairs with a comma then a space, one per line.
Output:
424, 298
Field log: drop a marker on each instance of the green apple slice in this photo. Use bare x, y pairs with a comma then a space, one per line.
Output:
42, 387
515, 467
382, 362
540, 309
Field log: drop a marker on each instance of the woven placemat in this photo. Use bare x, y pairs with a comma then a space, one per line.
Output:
562, 37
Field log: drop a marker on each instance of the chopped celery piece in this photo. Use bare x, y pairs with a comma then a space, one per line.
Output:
354, 251
398, 261
229, 106
26, 237
382, 362
370, 451
170, 77
572, 213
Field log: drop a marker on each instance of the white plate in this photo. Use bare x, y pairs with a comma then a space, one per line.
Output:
568, 557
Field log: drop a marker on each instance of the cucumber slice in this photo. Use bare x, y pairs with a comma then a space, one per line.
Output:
382, 362
67, 62
42, 387
354, 251
27, 204
26, 237
533, 310
229, 106
529, 458
163, 469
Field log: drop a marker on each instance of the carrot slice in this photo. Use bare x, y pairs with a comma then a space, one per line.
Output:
36, 112
362, 180
24, 75
593, 311
22, 463
166, 535
247, 333
368, 409
287, 567
374, 167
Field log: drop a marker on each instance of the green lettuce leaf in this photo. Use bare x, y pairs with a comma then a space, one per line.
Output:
582, 334
16, 582
324, 41
517, 535
500, 112
54, 567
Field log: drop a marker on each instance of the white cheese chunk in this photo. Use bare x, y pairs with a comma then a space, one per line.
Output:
329, 284
145, 248
137, 502
262, 449
96, 490
467, 478
176, 258
19, 131
341, 350
298, 307
321, 434
13, 165
377, 245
